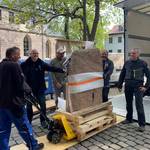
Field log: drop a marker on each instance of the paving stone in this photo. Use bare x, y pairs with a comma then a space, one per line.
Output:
147, 141
71, 148
130, 148
94, 147
81, 148
139, 142
86, 143
146, 136
123, 139
91, 140
130, 138
107, 137
147, 145
113, 140
114, 135
122, 144
139, 147
98, 144
115, 146
107, 142
122, 134
104, 147
140, 137
130, 143
98, 138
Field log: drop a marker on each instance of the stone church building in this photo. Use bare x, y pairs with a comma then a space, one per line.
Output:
12, 34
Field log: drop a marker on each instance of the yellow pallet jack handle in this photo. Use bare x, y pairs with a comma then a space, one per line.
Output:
69, 134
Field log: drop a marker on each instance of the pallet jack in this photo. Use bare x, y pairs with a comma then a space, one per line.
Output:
57, 125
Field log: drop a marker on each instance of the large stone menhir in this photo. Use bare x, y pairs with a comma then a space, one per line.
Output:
84, 61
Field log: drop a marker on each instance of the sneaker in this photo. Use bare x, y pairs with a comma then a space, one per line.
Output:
127, 121
141, 128
44, 124
40, 146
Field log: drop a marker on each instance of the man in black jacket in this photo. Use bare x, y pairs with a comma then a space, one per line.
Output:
133, 73
108, 68
11, 110
34, 70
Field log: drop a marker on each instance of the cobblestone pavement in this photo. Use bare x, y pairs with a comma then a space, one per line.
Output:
119, 137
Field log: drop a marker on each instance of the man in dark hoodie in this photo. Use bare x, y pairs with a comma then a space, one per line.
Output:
12, 102
34, 70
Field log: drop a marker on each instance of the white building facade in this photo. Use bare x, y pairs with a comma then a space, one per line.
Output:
115, 41
115, 46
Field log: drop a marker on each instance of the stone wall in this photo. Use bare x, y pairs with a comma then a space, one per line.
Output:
11, 38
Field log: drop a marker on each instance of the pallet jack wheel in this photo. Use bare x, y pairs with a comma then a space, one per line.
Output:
54, 137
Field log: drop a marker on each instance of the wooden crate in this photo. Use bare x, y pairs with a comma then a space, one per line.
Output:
92, 120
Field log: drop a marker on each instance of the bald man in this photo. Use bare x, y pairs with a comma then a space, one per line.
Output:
34, 70
133, 73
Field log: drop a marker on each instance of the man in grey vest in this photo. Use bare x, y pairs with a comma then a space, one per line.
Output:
133, 73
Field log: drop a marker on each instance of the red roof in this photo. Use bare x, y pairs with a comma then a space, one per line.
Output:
116, 29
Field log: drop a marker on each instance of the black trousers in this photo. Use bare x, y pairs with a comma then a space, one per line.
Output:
129, 93
42, 103
105, 92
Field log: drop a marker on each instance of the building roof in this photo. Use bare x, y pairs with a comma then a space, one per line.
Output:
117, 29
141, 6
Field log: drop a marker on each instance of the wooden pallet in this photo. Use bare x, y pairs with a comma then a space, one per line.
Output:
87, 122
95, 126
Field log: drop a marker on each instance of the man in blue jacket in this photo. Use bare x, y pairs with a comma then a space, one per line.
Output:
34, 70
12, 102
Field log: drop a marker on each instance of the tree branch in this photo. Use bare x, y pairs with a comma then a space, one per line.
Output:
96, 20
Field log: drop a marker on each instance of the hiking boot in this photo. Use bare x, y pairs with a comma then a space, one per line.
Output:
141, 128
127, 121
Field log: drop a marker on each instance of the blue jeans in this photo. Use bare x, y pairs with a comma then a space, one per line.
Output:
21, 123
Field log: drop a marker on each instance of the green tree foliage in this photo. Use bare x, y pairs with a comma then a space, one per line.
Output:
75, 19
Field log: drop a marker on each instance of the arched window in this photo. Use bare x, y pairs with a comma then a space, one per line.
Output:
27, 45
48, 49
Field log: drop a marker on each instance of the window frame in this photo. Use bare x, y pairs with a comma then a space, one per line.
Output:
110, 39
120, 39
11, 17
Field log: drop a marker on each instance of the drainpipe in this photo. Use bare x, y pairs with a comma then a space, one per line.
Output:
125, 35
42, 42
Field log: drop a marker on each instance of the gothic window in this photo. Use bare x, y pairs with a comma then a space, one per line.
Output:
48, 49
27, 45
11, 17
